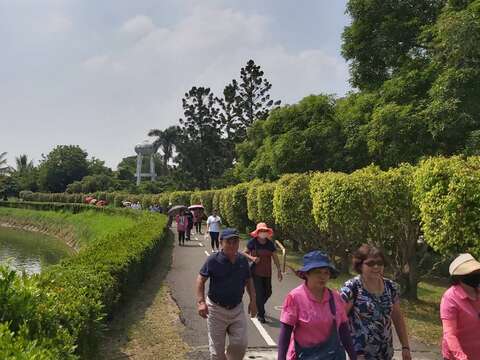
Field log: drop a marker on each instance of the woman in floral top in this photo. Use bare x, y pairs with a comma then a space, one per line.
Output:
372, 304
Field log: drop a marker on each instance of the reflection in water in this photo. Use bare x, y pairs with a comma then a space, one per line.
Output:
30, 252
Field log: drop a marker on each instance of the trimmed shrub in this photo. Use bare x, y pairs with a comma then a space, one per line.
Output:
447, 191
292, 208
252, 200
234, 206
60, 314
265, 194
207, 200
180, 198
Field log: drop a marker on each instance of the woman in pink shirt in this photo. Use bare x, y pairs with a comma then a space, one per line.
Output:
314, 324
460, 311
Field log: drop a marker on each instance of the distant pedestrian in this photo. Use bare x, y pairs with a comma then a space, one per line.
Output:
188, 232
314, 325
260, 250
214, 223
460, 311
182, 223
197, 219
373, 303
229, 276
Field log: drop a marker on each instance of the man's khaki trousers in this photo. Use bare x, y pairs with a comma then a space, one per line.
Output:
222, 322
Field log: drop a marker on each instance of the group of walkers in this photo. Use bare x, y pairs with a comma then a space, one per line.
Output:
186, 220
317, 322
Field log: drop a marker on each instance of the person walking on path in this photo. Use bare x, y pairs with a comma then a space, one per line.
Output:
229, 276
214, 223
460, 311
189, 228
314, 325
197, 220
372, 303
260, 250
182, 223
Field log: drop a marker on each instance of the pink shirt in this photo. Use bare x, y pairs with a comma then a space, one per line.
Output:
463, 340
311, 319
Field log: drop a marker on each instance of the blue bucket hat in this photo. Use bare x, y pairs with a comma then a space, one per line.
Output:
229, 233
316, 259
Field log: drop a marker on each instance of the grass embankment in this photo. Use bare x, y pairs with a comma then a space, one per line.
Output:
76, 229
422, 316
60, 314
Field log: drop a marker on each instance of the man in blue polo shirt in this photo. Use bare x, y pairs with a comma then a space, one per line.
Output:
229, 276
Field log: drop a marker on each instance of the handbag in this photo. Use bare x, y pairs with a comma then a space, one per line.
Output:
330, 349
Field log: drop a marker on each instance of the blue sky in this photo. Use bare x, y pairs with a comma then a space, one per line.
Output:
100, 74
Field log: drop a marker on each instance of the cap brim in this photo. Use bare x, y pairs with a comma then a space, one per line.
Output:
467, 268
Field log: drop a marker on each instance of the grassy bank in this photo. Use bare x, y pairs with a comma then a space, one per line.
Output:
61, 313
78, 229
422, 316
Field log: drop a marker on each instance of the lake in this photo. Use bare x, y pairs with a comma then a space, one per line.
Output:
30, 251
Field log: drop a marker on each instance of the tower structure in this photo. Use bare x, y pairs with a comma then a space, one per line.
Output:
145, 149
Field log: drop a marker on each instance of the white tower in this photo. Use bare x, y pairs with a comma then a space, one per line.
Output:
145, 149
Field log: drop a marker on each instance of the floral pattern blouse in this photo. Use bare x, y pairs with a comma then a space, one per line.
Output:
370, 318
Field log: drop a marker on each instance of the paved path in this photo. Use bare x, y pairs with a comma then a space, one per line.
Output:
187, 261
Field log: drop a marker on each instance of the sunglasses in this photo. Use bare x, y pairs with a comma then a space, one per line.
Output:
373, 263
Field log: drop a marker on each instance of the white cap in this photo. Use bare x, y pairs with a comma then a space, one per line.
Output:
464, 264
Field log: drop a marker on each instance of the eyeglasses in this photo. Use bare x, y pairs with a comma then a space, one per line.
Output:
373, 263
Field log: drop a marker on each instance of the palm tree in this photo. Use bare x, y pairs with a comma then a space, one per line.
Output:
4, 168
23, 164
166, 139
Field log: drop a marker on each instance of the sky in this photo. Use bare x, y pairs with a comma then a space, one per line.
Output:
101, 74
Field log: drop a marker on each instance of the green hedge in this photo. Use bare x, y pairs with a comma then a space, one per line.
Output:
265, 195
292, 208
447, 191
60, 314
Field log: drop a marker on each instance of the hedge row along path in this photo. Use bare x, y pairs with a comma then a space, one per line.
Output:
131, 342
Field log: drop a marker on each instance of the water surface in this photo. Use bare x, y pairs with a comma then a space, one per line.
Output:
30, 251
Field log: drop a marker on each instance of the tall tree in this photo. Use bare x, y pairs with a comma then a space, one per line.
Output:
384, 35
166, 140
4, 168
200, 146
62, 166
23, 164
248, 100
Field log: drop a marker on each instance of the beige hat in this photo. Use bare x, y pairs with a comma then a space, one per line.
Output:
464, 264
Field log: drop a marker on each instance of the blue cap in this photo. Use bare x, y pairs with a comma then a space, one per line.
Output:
317, 259
229, 233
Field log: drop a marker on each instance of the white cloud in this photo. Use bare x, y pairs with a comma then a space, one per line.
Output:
131, 78
139, 25
58, 23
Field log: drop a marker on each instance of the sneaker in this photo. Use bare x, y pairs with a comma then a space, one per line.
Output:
261, 319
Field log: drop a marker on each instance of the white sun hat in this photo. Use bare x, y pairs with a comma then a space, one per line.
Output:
464, 264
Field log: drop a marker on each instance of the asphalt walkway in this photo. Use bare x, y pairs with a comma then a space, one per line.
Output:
262, 338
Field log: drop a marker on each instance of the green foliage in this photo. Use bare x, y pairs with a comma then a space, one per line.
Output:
265, 194
62, 166
206, 198
447, 191
292, 208
294, 138
383, 36
234, 207
180, 198
61, 313
252, 200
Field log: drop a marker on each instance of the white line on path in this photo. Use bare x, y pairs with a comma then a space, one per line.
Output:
268, 339
200, 244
